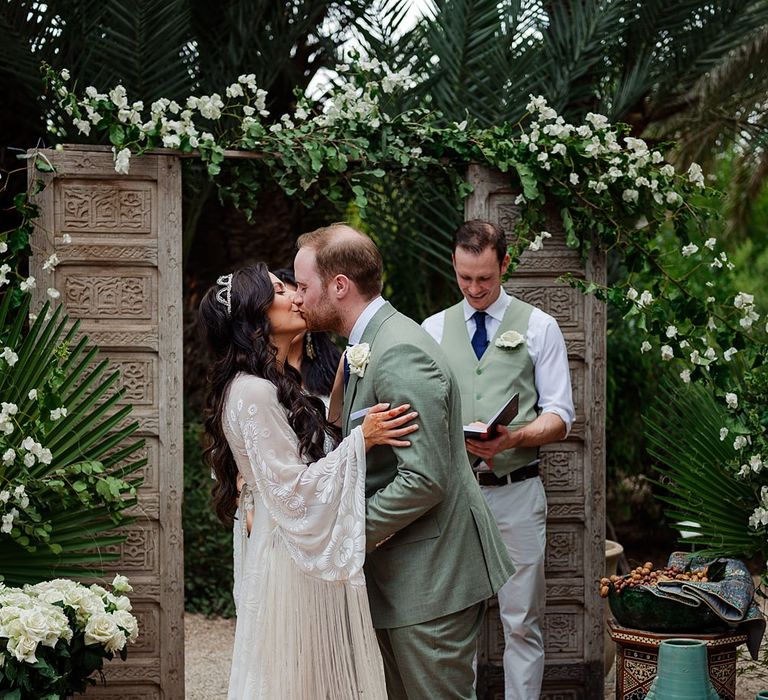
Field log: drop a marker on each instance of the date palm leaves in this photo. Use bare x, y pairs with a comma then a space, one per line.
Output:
697, 480
69, 461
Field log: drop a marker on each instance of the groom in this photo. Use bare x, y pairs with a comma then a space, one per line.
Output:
434, 552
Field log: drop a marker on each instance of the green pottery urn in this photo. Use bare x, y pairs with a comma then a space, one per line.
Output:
682, 672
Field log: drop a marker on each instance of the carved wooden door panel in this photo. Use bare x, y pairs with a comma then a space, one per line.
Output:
118, 240
573, 470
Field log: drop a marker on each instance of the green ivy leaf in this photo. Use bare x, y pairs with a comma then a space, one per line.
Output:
116, 135
43, 165
527, 179
571, 239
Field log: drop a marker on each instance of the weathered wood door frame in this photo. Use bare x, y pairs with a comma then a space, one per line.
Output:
121, 276
573, 471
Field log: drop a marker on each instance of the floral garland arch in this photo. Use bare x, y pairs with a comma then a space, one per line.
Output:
610, 189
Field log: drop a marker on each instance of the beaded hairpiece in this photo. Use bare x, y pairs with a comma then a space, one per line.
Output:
223, 295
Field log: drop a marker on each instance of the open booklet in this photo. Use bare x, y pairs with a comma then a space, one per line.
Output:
504, 416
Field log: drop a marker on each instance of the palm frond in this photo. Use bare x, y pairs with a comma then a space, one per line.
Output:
683, 430
381, 32
466, 61
750, 173
80, 500
144, 49
576, 39
723, 106
412, 226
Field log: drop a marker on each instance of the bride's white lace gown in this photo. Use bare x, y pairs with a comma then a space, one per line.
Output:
304, 628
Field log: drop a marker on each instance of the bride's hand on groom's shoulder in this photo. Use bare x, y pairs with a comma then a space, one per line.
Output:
387, 426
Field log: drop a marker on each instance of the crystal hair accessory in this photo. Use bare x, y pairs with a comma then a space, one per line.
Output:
223, 295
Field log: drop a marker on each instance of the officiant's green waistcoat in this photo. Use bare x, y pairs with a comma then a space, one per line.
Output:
488, 383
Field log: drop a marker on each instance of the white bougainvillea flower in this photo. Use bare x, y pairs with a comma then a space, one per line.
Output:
696, 175
27, 284
740, 442
9, 356
122, 160
538, 242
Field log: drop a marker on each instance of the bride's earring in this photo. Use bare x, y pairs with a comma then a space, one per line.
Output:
309, 346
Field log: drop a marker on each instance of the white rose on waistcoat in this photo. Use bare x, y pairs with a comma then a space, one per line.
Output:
358, 357
509, 340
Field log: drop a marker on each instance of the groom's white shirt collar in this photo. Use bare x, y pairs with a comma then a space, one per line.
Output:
364, 319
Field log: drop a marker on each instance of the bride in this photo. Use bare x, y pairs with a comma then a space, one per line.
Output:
304, 630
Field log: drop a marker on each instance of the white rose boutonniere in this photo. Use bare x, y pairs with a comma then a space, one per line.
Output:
509, 340
358, 357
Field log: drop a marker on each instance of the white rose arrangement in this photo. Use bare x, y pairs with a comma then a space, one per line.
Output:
55, 635
358, 357
509, 340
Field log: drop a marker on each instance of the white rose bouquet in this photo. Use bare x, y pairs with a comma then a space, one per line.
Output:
55, 635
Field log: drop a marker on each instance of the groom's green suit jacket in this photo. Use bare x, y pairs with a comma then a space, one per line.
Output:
433, 546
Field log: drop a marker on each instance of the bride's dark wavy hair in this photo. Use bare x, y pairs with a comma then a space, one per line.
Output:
240, 342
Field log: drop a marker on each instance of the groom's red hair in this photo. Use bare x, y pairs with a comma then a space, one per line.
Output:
343, 250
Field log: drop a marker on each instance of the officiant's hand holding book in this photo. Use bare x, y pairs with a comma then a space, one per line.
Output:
487, 431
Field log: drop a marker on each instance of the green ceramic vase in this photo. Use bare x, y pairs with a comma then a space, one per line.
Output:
762, 695
682, 672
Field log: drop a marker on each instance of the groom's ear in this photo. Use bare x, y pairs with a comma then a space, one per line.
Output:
341, 286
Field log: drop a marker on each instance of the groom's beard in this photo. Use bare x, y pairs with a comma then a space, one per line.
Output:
324, 317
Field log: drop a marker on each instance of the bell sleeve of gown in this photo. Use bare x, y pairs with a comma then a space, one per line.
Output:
304, 629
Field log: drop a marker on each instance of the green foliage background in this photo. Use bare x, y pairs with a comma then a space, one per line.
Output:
690, 71
207, 542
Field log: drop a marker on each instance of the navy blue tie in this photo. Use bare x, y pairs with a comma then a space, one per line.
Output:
346, 371
480, 338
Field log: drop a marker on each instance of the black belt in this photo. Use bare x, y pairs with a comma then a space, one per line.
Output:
490, 479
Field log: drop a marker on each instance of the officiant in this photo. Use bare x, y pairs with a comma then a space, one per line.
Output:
499, 345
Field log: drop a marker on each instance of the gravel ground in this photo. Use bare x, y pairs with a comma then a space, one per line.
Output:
208, 653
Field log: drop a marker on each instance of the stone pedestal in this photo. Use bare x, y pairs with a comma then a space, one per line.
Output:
637, 653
